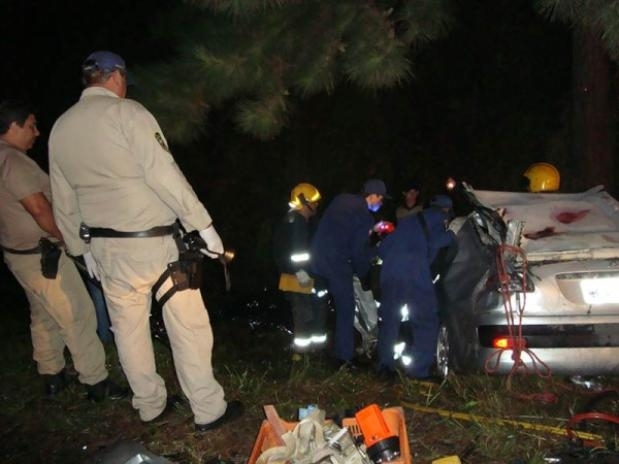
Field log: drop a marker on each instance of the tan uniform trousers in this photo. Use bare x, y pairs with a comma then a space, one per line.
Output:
61, 314
129, 269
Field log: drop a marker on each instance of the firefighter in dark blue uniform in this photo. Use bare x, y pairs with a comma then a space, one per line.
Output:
407, 288
341, 248
292, 254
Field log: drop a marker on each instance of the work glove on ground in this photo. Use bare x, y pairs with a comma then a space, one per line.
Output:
91, 266
303, 277
213, 242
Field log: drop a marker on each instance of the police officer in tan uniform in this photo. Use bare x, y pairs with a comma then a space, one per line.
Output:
61, 312
111, 170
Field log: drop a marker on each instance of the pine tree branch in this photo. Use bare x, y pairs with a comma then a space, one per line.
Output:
257, 53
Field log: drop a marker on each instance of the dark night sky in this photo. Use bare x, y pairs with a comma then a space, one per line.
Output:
483, 104
45, 42
495, 87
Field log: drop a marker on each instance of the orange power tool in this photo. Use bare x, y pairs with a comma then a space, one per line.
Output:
380, 442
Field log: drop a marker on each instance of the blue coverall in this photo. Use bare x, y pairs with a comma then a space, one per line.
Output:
406, 279
339, 249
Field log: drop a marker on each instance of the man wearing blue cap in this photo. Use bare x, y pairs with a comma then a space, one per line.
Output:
113, 175
407, 289
340, 249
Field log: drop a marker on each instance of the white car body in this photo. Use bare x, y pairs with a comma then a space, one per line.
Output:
567, 322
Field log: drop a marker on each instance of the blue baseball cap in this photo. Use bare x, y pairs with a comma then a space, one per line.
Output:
105, 61
376, 186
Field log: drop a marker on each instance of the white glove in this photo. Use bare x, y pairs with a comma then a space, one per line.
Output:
91, 266
213, 242
456, 224
303, 277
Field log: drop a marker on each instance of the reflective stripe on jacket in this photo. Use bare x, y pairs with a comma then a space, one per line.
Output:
290, 283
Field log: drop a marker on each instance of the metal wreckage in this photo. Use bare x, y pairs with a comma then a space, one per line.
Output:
534, 286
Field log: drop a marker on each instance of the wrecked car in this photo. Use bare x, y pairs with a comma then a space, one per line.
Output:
534, 286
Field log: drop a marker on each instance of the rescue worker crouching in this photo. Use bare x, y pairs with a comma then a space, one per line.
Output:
291, 240
111, 169
407, 290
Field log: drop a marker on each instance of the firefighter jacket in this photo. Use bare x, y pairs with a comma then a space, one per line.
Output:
291, 243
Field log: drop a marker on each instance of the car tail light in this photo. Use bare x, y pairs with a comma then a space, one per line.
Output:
509, 343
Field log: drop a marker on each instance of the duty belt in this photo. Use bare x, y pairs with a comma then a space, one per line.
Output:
29, 251
86, 232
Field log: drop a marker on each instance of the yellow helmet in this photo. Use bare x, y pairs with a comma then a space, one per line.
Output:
302, 194
543, 177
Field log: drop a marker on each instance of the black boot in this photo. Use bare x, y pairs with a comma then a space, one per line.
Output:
54, 383
106, 389
234, 410
174, 404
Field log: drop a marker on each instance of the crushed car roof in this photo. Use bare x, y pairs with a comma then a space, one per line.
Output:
559, 226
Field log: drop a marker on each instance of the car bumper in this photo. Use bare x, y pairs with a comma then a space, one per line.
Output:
556, 361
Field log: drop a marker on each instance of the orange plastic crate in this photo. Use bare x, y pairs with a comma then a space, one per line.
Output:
393, 416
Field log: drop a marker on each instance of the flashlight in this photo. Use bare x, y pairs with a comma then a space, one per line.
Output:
227, 256
384, 227
450, 184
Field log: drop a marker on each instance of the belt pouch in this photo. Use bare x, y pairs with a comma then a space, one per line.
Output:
50, 256
186, 272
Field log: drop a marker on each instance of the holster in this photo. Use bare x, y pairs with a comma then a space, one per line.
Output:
50, 256
186, 273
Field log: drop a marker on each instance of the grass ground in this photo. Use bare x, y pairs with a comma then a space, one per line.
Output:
465, 415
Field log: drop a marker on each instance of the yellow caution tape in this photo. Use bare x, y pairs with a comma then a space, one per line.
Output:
482, 419
447, 460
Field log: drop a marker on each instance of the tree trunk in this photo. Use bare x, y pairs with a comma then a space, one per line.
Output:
593, 138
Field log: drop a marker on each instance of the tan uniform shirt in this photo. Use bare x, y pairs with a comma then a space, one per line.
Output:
20, 177
110, 167
61, 312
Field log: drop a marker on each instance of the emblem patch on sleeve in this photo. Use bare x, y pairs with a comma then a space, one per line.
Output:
161, 141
